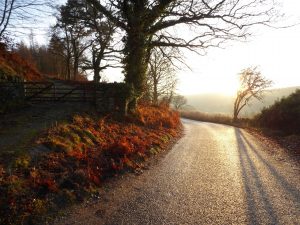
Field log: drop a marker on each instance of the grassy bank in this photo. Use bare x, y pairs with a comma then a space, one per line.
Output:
72, 160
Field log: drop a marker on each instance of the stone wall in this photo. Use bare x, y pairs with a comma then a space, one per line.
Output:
112, 97
11, 95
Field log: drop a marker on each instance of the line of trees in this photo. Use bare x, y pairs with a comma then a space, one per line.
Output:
147, 24
82, 40
88, 39
95, 35
48, 59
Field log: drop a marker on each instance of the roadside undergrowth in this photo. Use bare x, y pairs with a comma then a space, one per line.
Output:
215, 118
74, 158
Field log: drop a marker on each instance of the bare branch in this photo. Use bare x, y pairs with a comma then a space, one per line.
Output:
252, 86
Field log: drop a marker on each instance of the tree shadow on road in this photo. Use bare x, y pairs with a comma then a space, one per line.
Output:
259, 202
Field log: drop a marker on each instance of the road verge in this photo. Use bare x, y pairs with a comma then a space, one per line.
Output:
72, 160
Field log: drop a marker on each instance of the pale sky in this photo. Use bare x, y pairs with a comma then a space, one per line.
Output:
276, 52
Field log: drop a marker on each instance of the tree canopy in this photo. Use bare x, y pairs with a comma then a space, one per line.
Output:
148, 24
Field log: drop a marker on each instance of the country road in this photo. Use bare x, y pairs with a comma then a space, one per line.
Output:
215, 174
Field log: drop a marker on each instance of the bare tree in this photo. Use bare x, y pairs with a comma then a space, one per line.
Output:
16, 15
179, 101
75, 32
72, 35
60, 45
103, 50
6, 8
147, 23
161, 77
88, 39
252, 86
60, 56
48, 59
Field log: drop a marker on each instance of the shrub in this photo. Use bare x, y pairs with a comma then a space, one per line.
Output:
157, 116
283, 115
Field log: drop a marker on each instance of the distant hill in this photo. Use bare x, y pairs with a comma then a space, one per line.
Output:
217, 103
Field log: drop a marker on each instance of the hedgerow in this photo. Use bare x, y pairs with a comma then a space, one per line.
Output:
283, 115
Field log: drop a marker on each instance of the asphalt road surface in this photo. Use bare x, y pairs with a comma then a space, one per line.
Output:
215, 174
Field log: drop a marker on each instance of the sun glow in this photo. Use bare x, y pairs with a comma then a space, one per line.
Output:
274, 51
196, 84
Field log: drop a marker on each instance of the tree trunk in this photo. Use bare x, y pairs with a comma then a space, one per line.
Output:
97, 74
76, 58
68, 68
96, 66
155, 93
235, 116
135, 65
75, 69
236, 108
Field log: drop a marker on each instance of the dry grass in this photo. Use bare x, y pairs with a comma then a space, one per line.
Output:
80, 155
214, 118
13, 65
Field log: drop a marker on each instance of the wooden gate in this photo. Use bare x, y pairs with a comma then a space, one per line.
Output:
107, 97
58, 91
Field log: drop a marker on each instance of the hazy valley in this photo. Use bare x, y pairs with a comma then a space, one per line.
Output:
217, 103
